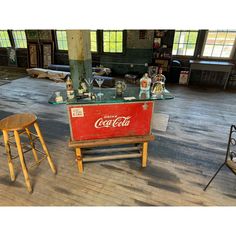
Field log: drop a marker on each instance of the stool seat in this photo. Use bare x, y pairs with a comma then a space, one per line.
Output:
17, 121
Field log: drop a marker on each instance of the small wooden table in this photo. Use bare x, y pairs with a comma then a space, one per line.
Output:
212, 66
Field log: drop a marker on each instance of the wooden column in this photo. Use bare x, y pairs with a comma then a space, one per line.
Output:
80, 58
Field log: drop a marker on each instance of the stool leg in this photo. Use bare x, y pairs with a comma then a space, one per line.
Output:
79, 159
36, 126
22, 161
144, 155
8, 152
32, 145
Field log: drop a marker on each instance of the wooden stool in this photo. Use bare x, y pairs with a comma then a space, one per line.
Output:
20, 124
78, 145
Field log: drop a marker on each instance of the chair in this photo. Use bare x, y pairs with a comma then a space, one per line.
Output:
13, 127
230, 158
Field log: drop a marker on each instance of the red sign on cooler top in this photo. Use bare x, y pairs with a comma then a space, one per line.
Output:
88, 122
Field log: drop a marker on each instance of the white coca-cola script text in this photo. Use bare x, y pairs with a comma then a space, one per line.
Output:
120, 121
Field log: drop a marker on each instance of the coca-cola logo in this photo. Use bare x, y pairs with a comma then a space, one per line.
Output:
112, 121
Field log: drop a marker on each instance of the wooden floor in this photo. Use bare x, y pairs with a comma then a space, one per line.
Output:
181, 160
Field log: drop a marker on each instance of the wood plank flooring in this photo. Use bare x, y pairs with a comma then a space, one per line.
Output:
181, 160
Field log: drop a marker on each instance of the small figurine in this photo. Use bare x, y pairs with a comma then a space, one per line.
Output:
145, 82
159, 77
69, 88
58, 97
120, 88
158, 86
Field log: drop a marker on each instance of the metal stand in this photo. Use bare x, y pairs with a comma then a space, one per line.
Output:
230, 155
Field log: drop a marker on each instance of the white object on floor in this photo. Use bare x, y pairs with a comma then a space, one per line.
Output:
160, 121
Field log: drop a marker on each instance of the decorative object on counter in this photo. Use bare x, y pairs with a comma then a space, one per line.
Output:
58, 97
144, 94
131, 78
145, 82
99, 81
158, 86
69, 88
89, 82
159, 77
120, 88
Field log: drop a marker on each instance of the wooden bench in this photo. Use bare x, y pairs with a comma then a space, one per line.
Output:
79, 145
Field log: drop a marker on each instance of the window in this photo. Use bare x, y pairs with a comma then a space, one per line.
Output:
93, 37
219, 44
184, 42
113, 41
61, 40
19, 38
4, 39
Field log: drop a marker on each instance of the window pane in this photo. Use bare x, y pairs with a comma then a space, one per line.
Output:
184, 37
112, 36
119, 36
230, 38
106, 36
220, 38
4, 39
93, 38
19, 38
113, 41
184, 42
208, 50
106, 47
61, 40
190, 49
174, 50
176, 39
226, 51
217, 51
182, 49
211, 38
192, 37
112, 47
219, 44
119, 47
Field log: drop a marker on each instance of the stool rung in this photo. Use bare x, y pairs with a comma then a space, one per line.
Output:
40, 151
37, 163
34, 134
23, 152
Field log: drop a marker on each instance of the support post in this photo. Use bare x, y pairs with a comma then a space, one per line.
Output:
80, 58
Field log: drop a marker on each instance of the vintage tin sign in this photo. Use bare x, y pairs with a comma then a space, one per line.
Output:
98, 121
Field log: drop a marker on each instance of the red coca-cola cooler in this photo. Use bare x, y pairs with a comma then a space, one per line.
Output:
108, 120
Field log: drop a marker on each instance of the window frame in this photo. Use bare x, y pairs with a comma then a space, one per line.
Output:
15, 42
123, 43
195, 49
9, 40
96, 42
57, 47
218, 58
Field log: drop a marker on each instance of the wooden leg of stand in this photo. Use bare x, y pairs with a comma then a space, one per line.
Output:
8, 152
36, 126
32, 145
144, 156
79, 159
22, 161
